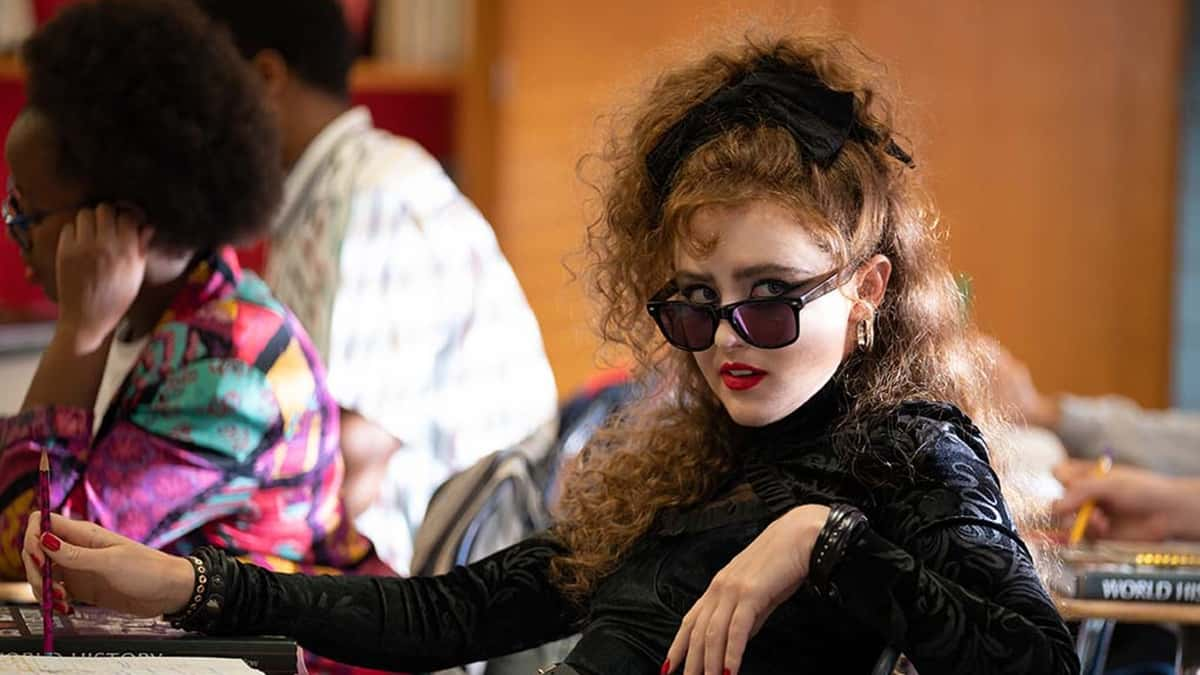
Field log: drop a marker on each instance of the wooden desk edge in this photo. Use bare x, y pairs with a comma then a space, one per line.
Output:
1074, 609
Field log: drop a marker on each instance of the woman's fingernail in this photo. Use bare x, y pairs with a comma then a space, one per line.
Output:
666, 668
37, 559
50, 541
61, 607
726, 671
59, 594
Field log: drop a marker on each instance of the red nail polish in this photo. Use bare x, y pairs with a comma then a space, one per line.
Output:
37, 559
726, 671
61, 607
50, 541
666, 667
58, 594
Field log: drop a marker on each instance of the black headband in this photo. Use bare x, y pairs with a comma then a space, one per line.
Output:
771, 93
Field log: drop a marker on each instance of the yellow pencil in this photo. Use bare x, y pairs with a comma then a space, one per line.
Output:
1085, 511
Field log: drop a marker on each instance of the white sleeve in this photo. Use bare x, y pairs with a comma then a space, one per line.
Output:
1163, 440
388, 323
431, 336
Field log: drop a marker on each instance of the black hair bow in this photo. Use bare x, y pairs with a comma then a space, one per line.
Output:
772, 93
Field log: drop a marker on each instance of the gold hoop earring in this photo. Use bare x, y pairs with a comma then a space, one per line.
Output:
866, 331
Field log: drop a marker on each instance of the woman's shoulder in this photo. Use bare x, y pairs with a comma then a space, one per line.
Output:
244, 352
951, 476
238, 325
927, 445
932, 434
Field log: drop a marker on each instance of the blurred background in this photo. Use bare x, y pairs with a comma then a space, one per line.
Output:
1059, 140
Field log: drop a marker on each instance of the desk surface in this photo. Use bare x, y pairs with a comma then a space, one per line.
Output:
1074, 609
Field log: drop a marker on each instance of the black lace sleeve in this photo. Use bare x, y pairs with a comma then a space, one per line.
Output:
501, 604
942, 575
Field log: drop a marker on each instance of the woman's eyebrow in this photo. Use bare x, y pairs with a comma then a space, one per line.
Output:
686, 276
770, 269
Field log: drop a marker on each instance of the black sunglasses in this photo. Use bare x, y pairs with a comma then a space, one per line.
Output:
767, 323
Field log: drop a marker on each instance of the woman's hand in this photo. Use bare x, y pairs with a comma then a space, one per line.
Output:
1131, 503
102, 568
715, 631
101, 264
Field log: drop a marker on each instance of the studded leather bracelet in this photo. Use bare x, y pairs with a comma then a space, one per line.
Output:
839, 530
208, 592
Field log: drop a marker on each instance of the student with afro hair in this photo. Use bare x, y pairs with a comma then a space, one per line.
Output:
179, 402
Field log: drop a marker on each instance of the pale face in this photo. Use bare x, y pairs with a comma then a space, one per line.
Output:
761, 250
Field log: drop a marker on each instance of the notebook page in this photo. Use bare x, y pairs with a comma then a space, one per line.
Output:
16, 664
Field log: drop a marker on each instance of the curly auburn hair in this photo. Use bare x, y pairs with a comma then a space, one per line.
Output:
672, 449
151, 104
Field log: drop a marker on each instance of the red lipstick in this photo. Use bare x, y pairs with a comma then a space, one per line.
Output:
741, 376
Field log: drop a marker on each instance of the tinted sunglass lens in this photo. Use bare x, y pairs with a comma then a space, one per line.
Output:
685, 326
767, 324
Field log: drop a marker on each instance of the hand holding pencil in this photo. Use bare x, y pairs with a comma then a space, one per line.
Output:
1124, 502
99, 567
1103, 467
44, 505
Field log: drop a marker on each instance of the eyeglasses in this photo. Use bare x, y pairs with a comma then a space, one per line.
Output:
20, 224
767, 323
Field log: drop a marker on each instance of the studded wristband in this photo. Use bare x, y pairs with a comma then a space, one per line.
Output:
208, 593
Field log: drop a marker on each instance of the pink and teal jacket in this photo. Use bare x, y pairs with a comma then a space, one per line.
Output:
223, 433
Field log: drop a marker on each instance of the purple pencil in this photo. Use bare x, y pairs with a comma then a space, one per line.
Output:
47, 608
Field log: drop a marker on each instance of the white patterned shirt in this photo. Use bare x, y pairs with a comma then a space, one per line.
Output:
1167, 441
422, 323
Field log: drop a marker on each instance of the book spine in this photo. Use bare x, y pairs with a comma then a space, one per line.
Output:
271, 660
1134, 587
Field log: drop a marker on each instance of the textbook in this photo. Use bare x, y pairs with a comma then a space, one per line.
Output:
1139, 584
92, 632
1168, 554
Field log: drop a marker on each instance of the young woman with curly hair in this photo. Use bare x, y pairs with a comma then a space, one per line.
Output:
803, 486
178, 402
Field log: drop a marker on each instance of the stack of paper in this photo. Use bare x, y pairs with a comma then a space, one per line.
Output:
14, 664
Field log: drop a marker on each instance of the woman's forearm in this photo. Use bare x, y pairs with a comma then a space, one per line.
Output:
498, 605
69, 372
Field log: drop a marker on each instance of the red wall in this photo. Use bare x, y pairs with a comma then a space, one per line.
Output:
18, 300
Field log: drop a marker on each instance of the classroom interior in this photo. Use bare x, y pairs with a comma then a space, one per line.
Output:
1053, 137
1059, 141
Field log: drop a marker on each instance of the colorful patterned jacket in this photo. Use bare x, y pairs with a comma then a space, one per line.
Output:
223, 433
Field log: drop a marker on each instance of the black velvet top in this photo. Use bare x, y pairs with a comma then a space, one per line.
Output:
939, 573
